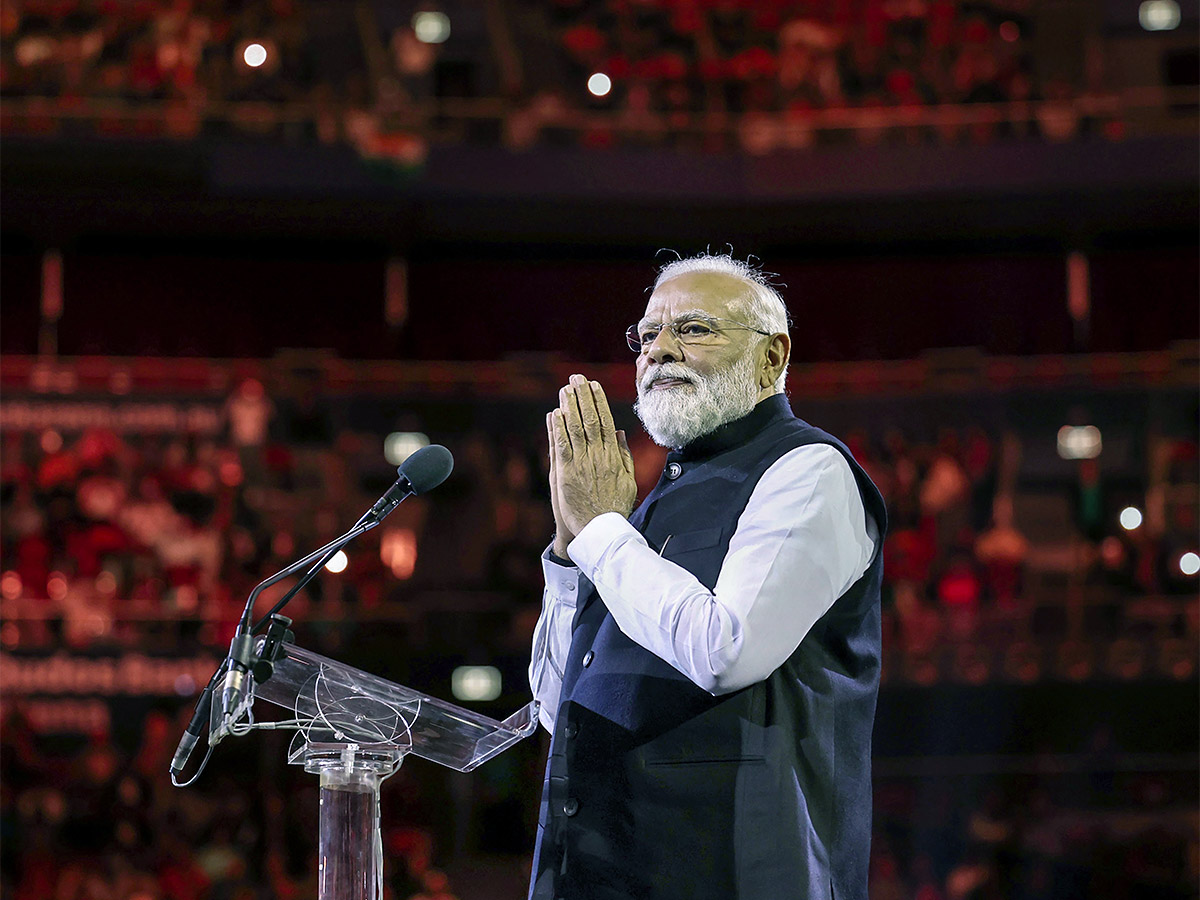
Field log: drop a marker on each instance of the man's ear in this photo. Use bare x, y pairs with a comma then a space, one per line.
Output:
775, 359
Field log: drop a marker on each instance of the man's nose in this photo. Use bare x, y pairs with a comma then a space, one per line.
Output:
664, 347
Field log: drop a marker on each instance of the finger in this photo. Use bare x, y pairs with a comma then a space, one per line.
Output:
553, 474
626, 455
572, 418
588, 413
562, 442
608, 428
569, 411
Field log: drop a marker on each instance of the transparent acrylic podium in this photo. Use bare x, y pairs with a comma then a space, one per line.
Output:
353, 729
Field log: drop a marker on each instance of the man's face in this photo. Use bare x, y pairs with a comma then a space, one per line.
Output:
686, 390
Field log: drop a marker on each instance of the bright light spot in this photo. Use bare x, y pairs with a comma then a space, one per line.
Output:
431, 27
187, 598
1079, 442
185, 685
400, 445
254, 55
230, 473
1159, 15
338, 563
10, 585
106, 582
398, 551
475, 683
51, 441
1131, 518
1189, 563
599, 84
1009, 31
56, 586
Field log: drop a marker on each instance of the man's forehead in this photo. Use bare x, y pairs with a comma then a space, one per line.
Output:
711, 293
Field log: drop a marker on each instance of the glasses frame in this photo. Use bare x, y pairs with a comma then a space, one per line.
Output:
634, 340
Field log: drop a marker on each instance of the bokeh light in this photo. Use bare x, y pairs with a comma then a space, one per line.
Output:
400, 445
254, 55
1189, 563
476, 683
1079, 442
1159, 15
338, 563
431, 27
1131, 518
56, 586
599, 84
10, 585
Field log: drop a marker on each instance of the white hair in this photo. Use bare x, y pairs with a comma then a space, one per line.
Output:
761, 305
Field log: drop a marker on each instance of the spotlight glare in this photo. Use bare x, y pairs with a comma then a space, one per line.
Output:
431, 27
599, 84
1159, 15
1079, 442
1131, 518
475, 683
400, 445
1189, 563
338, 563
254, 55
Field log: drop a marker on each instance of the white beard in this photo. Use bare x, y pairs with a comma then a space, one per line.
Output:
676, 416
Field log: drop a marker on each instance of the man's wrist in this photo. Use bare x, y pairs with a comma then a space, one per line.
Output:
558, 552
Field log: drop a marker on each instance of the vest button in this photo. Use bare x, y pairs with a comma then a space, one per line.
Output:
571, 806
588, 657
674, 470
571, 729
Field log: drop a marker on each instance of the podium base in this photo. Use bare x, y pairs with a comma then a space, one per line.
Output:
350, 844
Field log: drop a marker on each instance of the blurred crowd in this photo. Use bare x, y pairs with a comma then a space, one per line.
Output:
707, 74
1036, 835
106, 536
686, 72
90, 820
182, 55
102, 529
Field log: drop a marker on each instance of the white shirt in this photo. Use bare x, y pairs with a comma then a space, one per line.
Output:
803, 539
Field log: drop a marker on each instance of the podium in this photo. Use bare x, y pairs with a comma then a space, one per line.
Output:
353, 730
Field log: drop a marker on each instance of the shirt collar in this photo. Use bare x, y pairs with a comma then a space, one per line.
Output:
737, 432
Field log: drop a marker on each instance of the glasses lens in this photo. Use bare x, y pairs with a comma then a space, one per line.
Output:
633, 339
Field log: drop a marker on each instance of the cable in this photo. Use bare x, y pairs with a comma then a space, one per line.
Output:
199, 771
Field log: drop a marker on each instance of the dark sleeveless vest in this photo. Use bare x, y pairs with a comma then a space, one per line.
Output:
657, 789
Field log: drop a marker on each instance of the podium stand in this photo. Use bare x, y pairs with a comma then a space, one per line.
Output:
353, 730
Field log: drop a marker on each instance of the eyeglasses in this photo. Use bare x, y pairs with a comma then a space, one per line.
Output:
689, 329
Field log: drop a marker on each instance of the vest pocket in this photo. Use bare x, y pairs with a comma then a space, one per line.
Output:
688, 541
731, 732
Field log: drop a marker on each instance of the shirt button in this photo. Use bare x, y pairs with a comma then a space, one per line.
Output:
674, 470
570, 588
571, 806
587, 658
571, 730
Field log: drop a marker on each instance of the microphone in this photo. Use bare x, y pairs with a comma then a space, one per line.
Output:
196, 726
421, 472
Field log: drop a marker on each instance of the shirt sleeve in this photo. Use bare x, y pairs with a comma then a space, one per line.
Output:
552, 636
803, 539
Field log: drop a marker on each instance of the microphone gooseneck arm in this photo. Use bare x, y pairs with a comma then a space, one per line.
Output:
423, 471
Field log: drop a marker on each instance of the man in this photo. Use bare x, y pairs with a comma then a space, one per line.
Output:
708, 664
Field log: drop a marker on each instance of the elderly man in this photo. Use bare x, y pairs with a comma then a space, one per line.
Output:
708, 663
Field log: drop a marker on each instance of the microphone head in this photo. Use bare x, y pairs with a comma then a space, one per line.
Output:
427, 468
